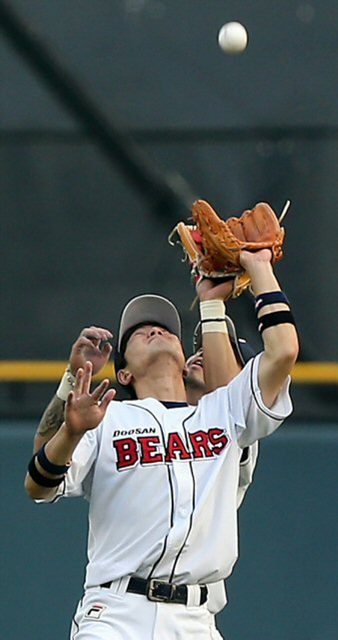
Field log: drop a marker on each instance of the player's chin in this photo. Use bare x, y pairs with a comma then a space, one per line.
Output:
195, 375
166, 344
170, 349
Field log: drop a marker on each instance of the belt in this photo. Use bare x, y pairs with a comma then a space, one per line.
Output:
160, 591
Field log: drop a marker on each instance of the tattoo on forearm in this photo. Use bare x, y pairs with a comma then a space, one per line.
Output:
52, 418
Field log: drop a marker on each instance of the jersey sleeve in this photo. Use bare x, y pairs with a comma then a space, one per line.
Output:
246, 471
253, 419
78, 479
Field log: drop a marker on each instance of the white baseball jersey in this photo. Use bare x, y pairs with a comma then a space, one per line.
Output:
162, 482
246, 471
217, 595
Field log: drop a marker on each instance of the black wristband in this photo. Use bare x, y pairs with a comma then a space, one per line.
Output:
50, 467
41, 479
212, 320
271, 297
272, 319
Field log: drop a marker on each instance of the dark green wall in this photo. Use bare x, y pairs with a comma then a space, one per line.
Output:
78, 239
284, 586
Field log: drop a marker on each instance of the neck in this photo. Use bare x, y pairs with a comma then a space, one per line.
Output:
194, 395
162, 385
195, 389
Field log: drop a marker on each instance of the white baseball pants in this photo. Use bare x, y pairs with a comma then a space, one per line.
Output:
104, 615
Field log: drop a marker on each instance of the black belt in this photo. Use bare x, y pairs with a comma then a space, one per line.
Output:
159, 591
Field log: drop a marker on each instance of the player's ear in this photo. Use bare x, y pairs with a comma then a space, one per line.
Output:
185, 371
125, 377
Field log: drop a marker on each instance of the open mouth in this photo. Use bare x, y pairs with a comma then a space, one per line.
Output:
198, 363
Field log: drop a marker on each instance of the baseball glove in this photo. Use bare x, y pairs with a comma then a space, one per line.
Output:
213, 245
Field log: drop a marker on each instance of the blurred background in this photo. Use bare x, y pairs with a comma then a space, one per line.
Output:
115, 116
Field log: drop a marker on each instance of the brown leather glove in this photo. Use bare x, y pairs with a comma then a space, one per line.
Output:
213, 245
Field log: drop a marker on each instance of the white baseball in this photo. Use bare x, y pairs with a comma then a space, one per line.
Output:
233, 37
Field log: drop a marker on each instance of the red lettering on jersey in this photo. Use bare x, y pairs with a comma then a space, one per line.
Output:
149, 449
145, 449
200, 443
176, 445
126, 453
218, 440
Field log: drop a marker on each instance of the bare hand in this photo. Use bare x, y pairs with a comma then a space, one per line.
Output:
208, 289
92, 345
249, 259
85, 410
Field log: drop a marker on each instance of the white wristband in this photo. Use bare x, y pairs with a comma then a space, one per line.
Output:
66, 385
213, 316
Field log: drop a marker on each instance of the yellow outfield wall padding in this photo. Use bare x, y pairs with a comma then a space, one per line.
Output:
42, 371
52, 371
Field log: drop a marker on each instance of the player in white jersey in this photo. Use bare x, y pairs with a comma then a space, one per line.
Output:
161, 476
196, 387
93, 344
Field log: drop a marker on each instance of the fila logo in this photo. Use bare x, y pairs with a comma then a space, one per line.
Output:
95, 611
150, 450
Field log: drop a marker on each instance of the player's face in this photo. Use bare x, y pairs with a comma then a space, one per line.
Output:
147, 343
194, 368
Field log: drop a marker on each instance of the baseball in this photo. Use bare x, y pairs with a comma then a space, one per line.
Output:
232, 37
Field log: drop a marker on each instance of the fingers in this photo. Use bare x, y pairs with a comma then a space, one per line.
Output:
82, 388
92, 344
83, 341
100, 390
87, 377
78, 386
96, 334
217, 288
106, 347
70, 400
107, 398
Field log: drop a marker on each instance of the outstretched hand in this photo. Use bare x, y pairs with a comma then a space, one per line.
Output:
91, 345
208, 289
250, 259
85, 410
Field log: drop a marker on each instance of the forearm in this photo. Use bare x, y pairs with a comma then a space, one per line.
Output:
50, 422
219, 362
53, 416
84, 411
59, 450
280, 339
263, 278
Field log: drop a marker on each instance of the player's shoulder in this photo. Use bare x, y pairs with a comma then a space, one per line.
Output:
242, 379
129, 404
246, 376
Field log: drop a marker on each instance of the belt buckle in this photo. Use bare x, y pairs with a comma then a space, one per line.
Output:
153, 585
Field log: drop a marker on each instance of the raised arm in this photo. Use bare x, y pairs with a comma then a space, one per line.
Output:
219, 362
84, 411
275, 323
91, 345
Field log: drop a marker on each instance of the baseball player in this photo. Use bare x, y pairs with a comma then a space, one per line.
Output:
196, 387
161, 476
93, 345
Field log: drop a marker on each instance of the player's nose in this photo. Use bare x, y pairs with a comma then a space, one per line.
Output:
155, 331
